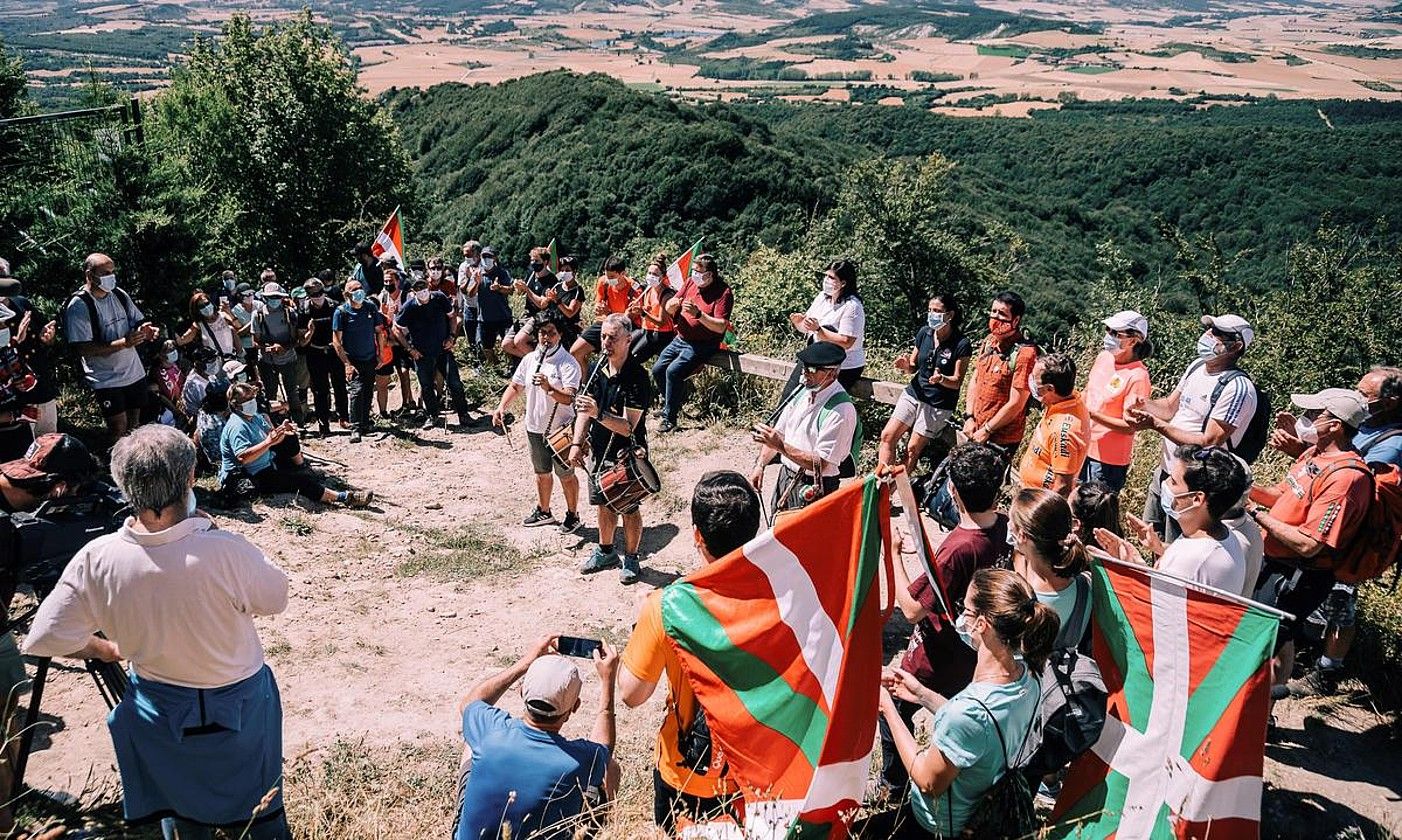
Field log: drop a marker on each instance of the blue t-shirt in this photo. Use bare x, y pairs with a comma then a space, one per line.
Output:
966, 735
493, 306
1385, 451
427, 323
238, 435
357, 328
552, 777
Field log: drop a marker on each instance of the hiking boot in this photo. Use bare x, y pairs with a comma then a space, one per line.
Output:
464, 421
632, 567
570, 524
538, 517
344, 424
1280, 692
598, 561
1321, 682
430, 423
359, 498
355, 436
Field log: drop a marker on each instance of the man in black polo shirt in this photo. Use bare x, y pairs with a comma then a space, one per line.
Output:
323, 366
612, 412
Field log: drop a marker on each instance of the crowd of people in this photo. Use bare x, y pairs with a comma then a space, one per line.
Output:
229, 390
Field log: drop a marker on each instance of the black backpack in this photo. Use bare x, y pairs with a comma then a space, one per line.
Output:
1258, 431
1072, 709
35, 546
93, 319
1005, 809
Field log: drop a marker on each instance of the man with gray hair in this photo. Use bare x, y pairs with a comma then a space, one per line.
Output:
198, 736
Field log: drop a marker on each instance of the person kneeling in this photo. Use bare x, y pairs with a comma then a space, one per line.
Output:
271, 456
524, 779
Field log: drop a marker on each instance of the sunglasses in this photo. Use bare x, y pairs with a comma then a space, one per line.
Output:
810, 369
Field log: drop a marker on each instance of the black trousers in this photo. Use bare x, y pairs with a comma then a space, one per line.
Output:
328, 376
668, 803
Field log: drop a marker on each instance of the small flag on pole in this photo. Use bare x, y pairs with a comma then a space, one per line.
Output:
678, 270
554, 257
390, 240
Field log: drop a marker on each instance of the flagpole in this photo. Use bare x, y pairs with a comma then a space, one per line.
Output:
917, 532
1105, 558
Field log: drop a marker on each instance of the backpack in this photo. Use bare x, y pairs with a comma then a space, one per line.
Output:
93, 320
1374, 547
1005, 809
1072, 708
35, 546
694, 744
1258, 430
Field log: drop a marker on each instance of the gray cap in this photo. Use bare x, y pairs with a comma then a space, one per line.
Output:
1346, 404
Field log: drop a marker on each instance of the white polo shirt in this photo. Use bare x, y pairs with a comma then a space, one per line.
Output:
831, 439
563, 372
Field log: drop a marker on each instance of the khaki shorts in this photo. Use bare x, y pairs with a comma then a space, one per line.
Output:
543, 460
926, 420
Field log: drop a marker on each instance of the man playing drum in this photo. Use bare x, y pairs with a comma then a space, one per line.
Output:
549, 376
816, 430
611, 411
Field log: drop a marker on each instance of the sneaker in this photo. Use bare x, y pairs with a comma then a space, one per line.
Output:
355, 436
324, 430
1321, 682
598, 561
360, 498
632, 567
344, 424
538, 517
667, 426
430, 422
570, 524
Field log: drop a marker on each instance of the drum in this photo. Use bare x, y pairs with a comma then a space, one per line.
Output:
624, 485
560, 442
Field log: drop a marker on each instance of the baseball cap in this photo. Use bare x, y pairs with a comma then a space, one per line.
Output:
314, 286
233, 368
243, 289
274, 290
52, 454
551, 686
1128, 320
822, 354
1346, 404
1231, 324
489, 251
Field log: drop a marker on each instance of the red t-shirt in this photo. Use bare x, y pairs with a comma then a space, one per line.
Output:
1323, 501
995, 376
716, 300
937, 657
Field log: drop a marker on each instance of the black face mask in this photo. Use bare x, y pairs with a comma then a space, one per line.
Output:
537, 267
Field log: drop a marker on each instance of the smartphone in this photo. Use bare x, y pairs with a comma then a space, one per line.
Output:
575, 646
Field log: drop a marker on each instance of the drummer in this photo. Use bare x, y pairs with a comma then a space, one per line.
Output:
549, 376
611, 412
814, 434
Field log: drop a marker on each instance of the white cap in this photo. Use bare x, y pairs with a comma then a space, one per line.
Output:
1129, 320
273, 290
551, 686
1231, 324
1345, 404
233, 368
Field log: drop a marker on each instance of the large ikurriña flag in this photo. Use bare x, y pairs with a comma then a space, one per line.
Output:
1183, 747
781, 641
390, 240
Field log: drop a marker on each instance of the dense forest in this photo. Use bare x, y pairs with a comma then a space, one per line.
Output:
593, 163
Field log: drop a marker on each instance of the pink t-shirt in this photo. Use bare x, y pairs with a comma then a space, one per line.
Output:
1108, 389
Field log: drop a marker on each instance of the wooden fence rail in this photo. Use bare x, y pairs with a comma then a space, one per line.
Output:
867, 389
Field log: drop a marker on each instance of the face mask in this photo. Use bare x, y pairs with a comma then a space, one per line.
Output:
1208, 348
5, 337
1166, 504
108, 282
172, 357
654, 280
1111, 343
962, 628
829, 286
1306, 432
274, 303
358, 296
418, 275
934, 319
613, 281
213, 369
190, 502
229, 283
999, 329
702, 280
566, 276
207, 310
489, 263
421, 295
537, 267
250, 408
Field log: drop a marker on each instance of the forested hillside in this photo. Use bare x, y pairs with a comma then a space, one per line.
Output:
1256, 178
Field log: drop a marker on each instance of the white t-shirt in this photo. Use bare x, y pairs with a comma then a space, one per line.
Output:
831, 440
1220, 563
1248, 533
848, 318
465, 271
563, 372
1235, 407
179, 603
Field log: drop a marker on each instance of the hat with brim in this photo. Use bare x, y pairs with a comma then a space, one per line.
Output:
234, 367
822, 354
1232, 324
551, 686
1345, 404
1129, 320
10, 286
52, 454
274, 290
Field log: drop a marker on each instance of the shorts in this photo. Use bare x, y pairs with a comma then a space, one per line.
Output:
491, 332
1340, 607
1113, 475
593, 335
1274, 588
543, 459
926, 420
115, 401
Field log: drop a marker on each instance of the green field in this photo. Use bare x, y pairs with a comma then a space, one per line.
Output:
1004, 51
1092, 69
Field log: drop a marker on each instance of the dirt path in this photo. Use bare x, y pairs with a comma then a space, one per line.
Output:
397, 610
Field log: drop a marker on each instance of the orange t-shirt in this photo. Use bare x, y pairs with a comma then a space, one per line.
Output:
647, 657
1328, 508
610, 299
995, 375
1108, 388
1059, 443
655, 316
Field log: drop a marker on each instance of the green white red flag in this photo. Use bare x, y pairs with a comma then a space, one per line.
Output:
390, 240
681, 267
1183, 747
781, 641
554, 257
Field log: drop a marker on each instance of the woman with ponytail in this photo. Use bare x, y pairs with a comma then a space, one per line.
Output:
978, 733
1047, 551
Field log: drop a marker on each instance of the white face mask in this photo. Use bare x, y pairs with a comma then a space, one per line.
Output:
701, 280
421, 295
1306, 432
250, 408
934, 319
654, 280
829, 286
614, 281
489, 263
565, 276
1111, 343
173, 356
108, 282
4, 336
962, 628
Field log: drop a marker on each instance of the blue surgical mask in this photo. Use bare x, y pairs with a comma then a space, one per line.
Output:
1208, 347
962, 628
1166, 504
274, 303
1111, 343
108, 282
207, 310
4, 336
358, 296
250, 407
173, 356
934, 319
489, 263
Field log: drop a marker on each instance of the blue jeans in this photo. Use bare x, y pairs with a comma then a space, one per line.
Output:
274, 828
1112, 474
428, 367
678, 360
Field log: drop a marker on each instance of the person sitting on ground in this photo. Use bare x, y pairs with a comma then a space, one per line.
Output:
979, 732
936, 656
1202, 487
271, 455
167, 383
538, 288
34, 336
525, 779
614, 294
836, 315
936, 365
725, 514
701, 314
56, 465
198, 734
209, 425
998, 392
1117, 379
1046, 550
549, 377
658, 327
205, 367
1061, 438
